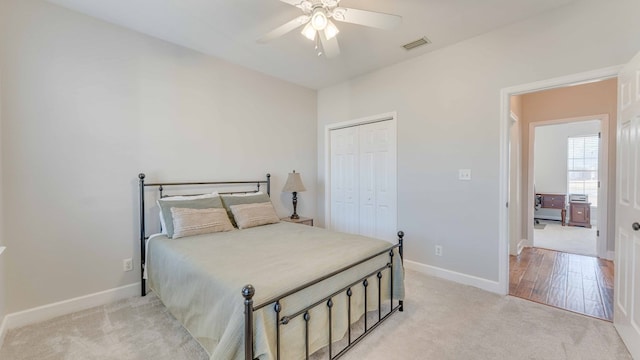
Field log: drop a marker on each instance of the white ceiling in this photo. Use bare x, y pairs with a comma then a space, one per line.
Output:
228, 29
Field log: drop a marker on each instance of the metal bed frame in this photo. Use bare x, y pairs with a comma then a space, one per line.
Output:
282, 320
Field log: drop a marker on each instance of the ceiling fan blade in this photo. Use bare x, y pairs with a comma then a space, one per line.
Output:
367, 18
330, 47
292, 2
281, 30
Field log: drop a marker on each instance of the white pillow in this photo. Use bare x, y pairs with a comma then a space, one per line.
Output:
163, 226
256, 214
189, 222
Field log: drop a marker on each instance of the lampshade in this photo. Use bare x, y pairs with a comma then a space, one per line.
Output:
331, 30
309, 32
294, 183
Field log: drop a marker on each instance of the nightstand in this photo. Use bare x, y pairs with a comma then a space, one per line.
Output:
580, 214
301, 220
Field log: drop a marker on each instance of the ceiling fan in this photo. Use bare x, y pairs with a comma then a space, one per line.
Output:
318, 27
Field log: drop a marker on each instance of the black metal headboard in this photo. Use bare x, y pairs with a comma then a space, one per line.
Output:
161, 187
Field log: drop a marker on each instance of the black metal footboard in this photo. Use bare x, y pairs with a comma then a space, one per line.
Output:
282, 320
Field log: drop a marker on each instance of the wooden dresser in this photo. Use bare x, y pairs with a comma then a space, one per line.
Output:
555, 201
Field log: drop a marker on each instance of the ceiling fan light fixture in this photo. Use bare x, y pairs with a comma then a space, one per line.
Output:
319, 20
309, 32
331, 30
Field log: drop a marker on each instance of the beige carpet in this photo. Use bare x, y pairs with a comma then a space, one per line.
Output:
442, 320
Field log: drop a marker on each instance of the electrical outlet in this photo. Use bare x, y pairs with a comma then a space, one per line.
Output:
464, 174
438, 250
127, 264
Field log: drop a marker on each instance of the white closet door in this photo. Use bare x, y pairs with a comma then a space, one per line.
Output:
363, 180
377, 215
344, 180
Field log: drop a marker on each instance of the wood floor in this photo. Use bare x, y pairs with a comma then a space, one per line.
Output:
578, 283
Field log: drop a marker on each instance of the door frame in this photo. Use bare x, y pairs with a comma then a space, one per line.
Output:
603, 175
503, 183
390, 116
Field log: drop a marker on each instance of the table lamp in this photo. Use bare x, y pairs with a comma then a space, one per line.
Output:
294, 185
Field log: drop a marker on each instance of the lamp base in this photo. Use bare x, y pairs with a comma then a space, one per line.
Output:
295, 204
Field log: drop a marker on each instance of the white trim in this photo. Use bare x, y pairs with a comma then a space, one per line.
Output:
3, 324
513, 116
484, 284
523, 243
505, 97
50, 311
3, 330
611, 255
390, 116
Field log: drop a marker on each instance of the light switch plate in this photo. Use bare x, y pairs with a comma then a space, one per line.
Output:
464, 174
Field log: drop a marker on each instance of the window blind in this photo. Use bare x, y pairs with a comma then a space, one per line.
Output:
582, 166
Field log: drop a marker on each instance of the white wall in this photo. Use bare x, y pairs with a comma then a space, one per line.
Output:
550, 167
448, 105
550, 153
87, 106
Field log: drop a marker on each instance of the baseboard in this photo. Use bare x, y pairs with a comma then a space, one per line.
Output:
611, 255
50, 311
521, 245
484, 284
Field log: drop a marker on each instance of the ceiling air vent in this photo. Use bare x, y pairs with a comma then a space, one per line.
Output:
414, 44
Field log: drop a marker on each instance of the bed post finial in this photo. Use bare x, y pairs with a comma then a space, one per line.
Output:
401, 251
247, 292
143, 285
401, 241
268, 184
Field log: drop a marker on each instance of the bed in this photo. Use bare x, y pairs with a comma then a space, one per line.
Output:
276, 291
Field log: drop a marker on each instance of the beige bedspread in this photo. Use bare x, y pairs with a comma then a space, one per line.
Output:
200, 278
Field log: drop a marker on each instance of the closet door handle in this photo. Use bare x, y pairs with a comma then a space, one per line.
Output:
636, 226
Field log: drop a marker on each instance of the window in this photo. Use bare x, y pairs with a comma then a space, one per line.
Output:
583, 166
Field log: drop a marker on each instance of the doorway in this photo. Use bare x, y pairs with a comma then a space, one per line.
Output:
557, 192
568, 161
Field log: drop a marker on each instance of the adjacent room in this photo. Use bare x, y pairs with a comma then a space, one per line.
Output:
570, 166
295, 179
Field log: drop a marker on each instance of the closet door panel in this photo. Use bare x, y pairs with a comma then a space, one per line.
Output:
367, 184
386, 187
344, 180
363, 180
378, 180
